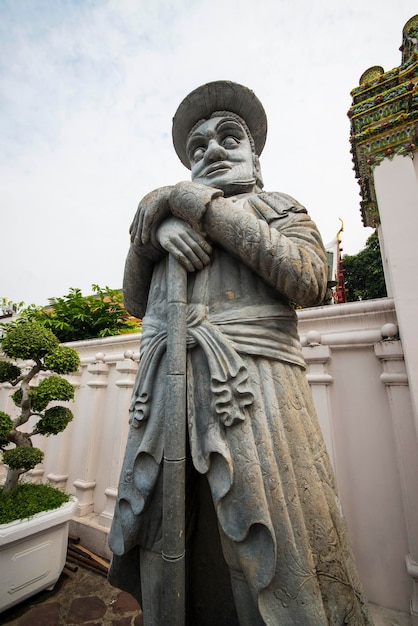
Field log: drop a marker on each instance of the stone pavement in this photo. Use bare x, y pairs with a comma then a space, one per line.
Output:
80, 597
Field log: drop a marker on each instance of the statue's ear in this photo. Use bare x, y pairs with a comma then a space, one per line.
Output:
257, 171
256, 164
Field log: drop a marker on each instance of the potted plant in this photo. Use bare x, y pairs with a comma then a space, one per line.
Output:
34, 518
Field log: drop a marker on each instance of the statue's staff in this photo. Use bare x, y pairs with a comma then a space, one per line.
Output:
173, 549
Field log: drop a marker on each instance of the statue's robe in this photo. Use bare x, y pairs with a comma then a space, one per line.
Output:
252, 428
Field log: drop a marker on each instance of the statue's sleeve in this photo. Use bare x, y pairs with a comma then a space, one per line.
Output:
139, 267
283, 246
144, 251
137, 281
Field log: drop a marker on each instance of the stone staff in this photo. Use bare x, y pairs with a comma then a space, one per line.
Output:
173, 548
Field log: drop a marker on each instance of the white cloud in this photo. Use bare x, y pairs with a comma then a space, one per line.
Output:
88, 90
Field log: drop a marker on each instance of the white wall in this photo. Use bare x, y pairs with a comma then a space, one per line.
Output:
364, 407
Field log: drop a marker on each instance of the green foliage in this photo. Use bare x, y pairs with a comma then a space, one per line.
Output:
74, 317
22, 458
63, 360
54, 420
28, 340
51, 388
8, 371
6, 425
364, 277
17, 397
27, 500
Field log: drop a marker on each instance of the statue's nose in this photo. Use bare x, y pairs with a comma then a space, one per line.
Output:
215, 152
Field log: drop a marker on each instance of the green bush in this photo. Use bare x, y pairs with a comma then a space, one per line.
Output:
17, 397
28, 341
54, 420
63, 360
22, 458
6, 424
49, 389
75, 317
8, 371
27, 500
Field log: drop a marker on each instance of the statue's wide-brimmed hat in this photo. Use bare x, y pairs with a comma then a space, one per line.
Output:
221, 95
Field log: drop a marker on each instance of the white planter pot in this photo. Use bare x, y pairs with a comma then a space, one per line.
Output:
33, 554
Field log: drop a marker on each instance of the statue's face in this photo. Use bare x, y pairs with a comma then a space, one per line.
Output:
220, 156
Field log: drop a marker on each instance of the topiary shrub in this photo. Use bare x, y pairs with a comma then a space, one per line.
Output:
63, 360
54, 421
8, 371
28, 341
21, 457
31, 340
28, 499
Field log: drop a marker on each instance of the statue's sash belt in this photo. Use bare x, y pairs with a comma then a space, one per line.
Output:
222, 342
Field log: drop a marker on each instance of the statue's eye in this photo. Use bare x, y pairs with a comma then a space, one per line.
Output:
230, 142
198, 154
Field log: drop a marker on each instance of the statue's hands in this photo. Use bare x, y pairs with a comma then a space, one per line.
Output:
189, 247
189, 201
152, 210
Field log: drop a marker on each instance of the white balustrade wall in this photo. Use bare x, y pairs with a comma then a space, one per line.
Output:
360, 388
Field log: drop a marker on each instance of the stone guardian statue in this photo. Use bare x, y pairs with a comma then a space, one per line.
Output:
266, 541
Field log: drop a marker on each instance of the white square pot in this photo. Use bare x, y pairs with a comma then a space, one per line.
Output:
33, 553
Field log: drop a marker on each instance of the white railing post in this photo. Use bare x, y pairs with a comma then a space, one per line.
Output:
58, 448
317, 357
127, 369
90, 410
395, 379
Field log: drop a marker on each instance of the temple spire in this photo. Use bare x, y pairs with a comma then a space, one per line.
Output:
384, 116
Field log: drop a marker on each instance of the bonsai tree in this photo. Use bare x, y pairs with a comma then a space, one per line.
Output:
31, 341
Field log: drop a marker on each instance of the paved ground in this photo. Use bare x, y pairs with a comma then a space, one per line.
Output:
386, 617
84, 597
80, 597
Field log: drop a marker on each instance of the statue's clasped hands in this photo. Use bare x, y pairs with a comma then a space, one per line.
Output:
172, 215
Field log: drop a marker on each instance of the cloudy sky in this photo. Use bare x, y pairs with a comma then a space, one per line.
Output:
88, 89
